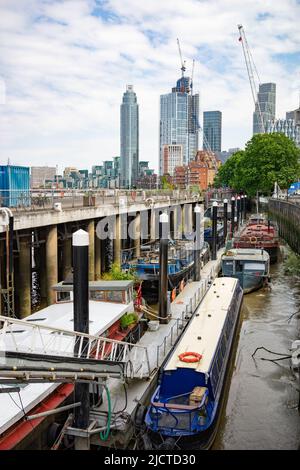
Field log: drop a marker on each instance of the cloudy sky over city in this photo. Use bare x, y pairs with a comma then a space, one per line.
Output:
64, 66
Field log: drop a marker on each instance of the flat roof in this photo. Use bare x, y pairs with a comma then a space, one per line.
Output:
94, 285
250, 254
204, 330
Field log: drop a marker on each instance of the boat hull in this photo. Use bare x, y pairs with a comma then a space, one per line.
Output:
150, 284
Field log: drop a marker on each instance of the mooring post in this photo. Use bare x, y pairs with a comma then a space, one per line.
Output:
214, 231
242, 209
81, 318
232, 215
163, 269
197, 244
225, 216
238, 212
245, 206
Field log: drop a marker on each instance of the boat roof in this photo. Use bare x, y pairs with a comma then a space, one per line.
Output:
67, 286
246, 254
101, 316
204, 330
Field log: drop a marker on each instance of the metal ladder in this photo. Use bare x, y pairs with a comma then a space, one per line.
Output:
33, 352
8, 296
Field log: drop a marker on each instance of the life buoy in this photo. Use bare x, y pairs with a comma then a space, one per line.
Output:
190, 357
253, 240
173, 295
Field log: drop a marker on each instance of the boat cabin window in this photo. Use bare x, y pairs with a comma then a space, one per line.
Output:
117, 296
254, 266
238, 266
64, 296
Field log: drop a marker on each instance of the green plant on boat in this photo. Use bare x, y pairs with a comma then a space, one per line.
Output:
116, 274
128, 319
292, 264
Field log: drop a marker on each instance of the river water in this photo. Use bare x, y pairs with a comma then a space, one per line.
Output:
261, 409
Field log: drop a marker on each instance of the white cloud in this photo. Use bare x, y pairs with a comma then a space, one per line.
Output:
64, 70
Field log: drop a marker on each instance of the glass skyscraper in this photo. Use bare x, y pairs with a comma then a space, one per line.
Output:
212, 129
178, 124
129, 125
266, 97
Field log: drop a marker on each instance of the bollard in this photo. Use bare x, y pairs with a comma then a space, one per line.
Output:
81, 318
238, 211
163, 269
232, 215
225, 216
197, 244
214, 231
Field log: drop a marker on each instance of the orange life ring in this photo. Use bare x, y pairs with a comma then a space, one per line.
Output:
190, 357
173, 295
253, 240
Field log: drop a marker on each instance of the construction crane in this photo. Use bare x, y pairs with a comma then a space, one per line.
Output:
183, 68
251, 70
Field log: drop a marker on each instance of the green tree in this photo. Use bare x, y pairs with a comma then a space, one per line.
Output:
267, 158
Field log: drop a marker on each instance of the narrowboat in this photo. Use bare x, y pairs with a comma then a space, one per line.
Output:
146, 267
109, 302
259, 233
185, 407
250, 266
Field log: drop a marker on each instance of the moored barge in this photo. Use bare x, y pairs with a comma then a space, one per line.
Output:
185, 407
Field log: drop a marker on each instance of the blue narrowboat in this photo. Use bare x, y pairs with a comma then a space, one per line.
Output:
185, 407
249, 265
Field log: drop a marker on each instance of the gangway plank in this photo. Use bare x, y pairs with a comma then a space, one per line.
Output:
31, 351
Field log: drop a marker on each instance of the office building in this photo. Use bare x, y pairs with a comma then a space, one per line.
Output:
129, 125
179, 114
40, 174
212, 129
266, 98
172, 157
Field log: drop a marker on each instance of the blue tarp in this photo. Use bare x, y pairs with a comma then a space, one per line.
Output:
294, 187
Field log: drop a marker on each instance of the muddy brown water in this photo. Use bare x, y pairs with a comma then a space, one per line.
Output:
261, 403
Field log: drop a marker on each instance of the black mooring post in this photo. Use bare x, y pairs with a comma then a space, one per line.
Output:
197, 244
238, 212
232, 215
225, 216
11, 241
214, 231
81, 318
163, 269
245, 206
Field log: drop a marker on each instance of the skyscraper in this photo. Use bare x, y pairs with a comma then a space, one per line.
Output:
179, 111
212, 129
266, 97
129, 126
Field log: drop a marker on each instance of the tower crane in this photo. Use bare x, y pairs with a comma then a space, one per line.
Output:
183, 67
251, 70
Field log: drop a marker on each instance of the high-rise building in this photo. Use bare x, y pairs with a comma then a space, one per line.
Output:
266, 98
129, 139
212, 129
172, 157
179, 112
40, 174
287, 127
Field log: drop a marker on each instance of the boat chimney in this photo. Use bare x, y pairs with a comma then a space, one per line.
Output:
232, 215
197, 244
214, 231
163, 269
81, 318
225, 218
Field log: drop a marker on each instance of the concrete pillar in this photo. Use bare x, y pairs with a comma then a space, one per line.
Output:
117, 240
98, 262
91, 232
177, 222
188, 218
67, 257
137, 232
153, 225
24, 274
51, 262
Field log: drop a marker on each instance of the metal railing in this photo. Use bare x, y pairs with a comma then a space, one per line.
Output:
45, 199
48, 341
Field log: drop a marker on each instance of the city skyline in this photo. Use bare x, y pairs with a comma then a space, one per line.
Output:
64, 67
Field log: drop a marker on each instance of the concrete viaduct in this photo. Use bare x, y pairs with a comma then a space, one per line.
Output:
42, 247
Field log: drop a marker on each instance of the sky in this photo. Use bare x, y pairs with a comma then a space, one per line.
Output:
65, 64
